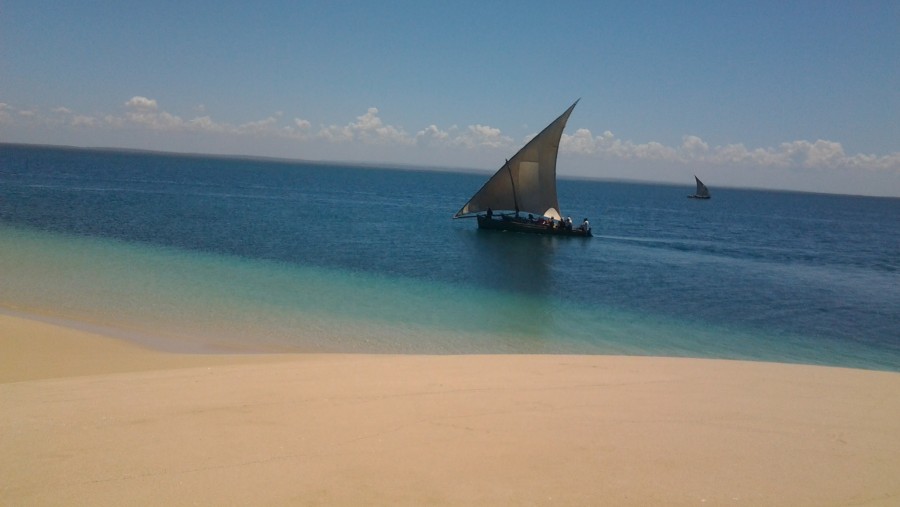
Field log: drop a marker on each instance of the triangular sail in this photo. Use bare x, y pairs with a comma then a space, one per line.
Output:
702, 191
527, 181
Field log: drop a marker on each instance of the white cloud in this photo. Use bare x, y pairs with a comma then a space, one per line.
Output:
476, 136
655, 151
694, 145
141, 104
84, 121
336, 134
114, 121
259, 127
431, 136
472, 137
369, 129
581, 142
693, 150
206, 124
822, 153
153, 120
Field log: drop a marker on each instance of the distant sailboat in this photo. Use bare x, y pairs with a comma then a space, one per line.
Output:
526, 186
702, 192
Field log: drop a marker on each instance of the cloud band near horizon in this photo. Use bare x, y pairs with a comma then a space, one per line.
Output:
368, 129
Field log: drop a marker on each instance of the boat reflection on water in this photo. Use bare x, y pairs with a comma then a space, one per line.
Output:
517, 271
512, 262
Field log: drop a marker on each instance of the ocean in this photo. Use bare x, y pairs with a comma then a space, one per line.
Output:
215, 254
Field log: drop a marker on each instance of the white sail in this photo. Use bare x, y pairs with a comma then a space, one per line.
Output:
702, 191
526, 182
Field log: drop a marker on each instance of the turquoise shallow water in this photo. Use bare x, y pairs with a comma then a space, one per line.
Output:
194, 253
182, 300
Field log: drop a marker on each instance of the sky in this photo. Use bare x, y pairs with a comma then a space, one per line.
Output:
801, 95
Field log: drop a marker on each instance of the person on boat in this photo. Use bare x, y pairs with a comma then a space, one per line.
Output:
490, 213
568, 223
585, 226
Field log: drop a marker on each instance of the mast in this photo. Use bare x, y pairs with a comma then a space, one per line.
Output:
513, 183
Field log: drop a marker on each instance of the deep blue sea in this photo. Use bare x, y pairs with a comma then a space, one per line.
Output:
229, 254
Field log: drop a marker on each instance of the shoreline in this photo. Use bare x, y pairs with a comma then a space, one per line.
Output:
94, 420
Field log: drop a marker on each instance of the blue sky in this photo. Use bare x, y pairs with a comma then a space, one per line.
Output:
795, 95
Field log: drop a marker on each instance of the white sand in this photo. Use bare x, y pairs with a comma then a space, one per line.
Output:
88, 420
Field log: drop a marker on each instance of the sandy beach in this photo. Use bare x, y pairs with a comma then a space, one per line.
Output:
91, 420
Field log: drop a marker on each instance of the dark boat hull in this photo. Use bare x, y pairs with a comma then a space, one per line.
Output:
698, 197
506, 223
